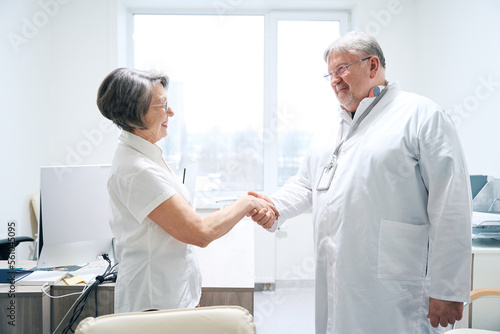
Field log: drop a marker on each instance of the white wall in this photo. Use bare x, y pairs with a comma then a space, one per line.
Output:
444, 49
461, 73
54, 55
25, 98
81, 46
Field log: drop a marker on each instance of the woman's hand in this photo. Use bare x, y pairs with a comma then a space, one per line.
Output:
264, 212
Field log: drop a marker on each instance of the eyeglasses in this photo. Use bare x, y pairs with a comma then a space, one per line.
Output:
165, 105
341, 70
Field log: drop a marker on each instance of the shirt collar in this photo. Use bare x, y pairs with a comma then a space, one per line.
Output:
140, 144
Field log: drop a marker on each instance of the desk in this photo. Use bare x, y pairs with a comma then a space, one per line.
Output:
105, 299
31, 307
227, 267
105, 303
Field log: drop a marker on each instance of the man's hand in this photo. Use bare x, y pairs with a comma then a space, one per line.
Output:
263, 217
443, 312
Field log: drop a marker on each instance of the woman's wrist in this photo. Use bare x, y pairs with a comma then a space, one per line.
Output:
253, 204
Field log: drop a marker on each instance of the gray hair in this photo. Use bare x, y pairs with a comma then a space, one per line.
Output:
125, 94
356, 42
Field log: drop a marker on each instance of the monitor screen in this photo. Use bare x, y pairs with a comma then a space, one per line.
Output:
74, 215
477, 182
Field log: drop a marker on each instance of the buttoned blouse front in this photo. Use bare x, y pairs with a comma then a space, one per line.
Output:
156, 271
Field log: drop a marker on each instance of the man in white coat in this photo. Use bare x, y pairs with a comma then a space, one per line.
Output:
391, 205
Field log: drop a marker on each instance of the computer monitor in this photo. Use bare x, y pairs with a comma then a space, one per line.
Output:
477, 182
74, 215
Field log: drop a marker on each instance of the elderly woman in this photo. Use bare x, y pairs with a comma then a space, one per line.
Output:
153, 221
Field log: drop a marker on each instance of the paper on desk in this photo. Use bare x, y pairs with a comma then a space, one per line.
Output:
485, 218
77, 279
40, 277
89, 272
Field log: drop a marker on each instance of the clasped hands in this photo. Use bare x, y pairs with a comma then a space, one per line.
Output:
264, 213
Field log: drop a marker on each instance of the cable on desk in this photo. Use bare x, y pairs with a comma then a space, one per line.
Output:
62, 296
109, 275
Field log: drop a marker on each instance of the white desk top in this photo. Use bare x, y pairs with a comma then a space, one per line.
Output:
227, 262
485, 245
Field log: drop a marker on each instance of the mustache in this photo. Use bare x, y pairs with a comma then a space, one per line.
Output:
338, 88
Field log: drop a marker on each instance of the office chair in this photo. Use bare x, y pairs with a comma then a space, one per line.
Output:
7, 245
476, 294
35, 208
206, 320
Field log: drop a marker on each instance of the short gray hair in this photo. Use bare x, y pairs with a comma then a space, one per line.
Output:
125, 94
356, 42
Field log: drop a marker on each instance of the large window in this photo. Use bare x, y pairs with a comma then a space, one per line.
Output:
305, 99
247, 92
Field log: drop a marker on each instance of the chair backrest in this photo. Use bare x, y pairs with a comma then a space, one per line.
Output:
35, 206
476, 294
206, 320
471, 331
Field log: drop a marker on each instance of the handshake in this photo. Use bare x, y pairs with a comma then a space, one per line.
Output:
263, 212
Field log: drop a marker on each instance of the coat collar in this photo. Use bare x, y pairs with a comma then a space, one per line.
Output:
374, 92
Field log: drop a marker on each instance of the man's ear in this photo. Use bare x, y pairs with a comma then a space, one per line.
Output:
374, 63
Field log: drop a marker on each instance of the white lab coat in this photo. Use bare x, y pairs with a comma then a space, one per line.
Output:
394, 227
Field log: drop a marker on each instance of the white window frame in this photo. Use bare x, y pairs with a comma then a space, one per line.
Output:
273, 11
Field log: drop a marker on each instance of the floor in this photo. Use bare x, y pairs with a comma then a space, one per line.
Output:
289, 308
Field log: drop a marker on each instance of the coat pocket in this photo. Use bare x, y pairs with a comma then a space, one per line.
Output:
402, 250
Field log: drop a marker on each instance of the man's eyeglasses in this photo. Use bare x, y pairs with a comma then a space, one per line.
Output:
341, 70
161, 105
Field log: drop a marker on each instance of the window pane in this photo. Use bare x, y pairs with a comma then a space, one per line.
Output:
216, 66
306, 102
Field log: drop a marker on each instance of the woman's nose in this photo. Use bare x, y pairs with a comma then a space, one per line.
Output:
170, 112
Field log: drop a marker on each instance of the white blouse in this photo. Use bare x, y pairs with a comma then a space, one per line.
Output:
156, 271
